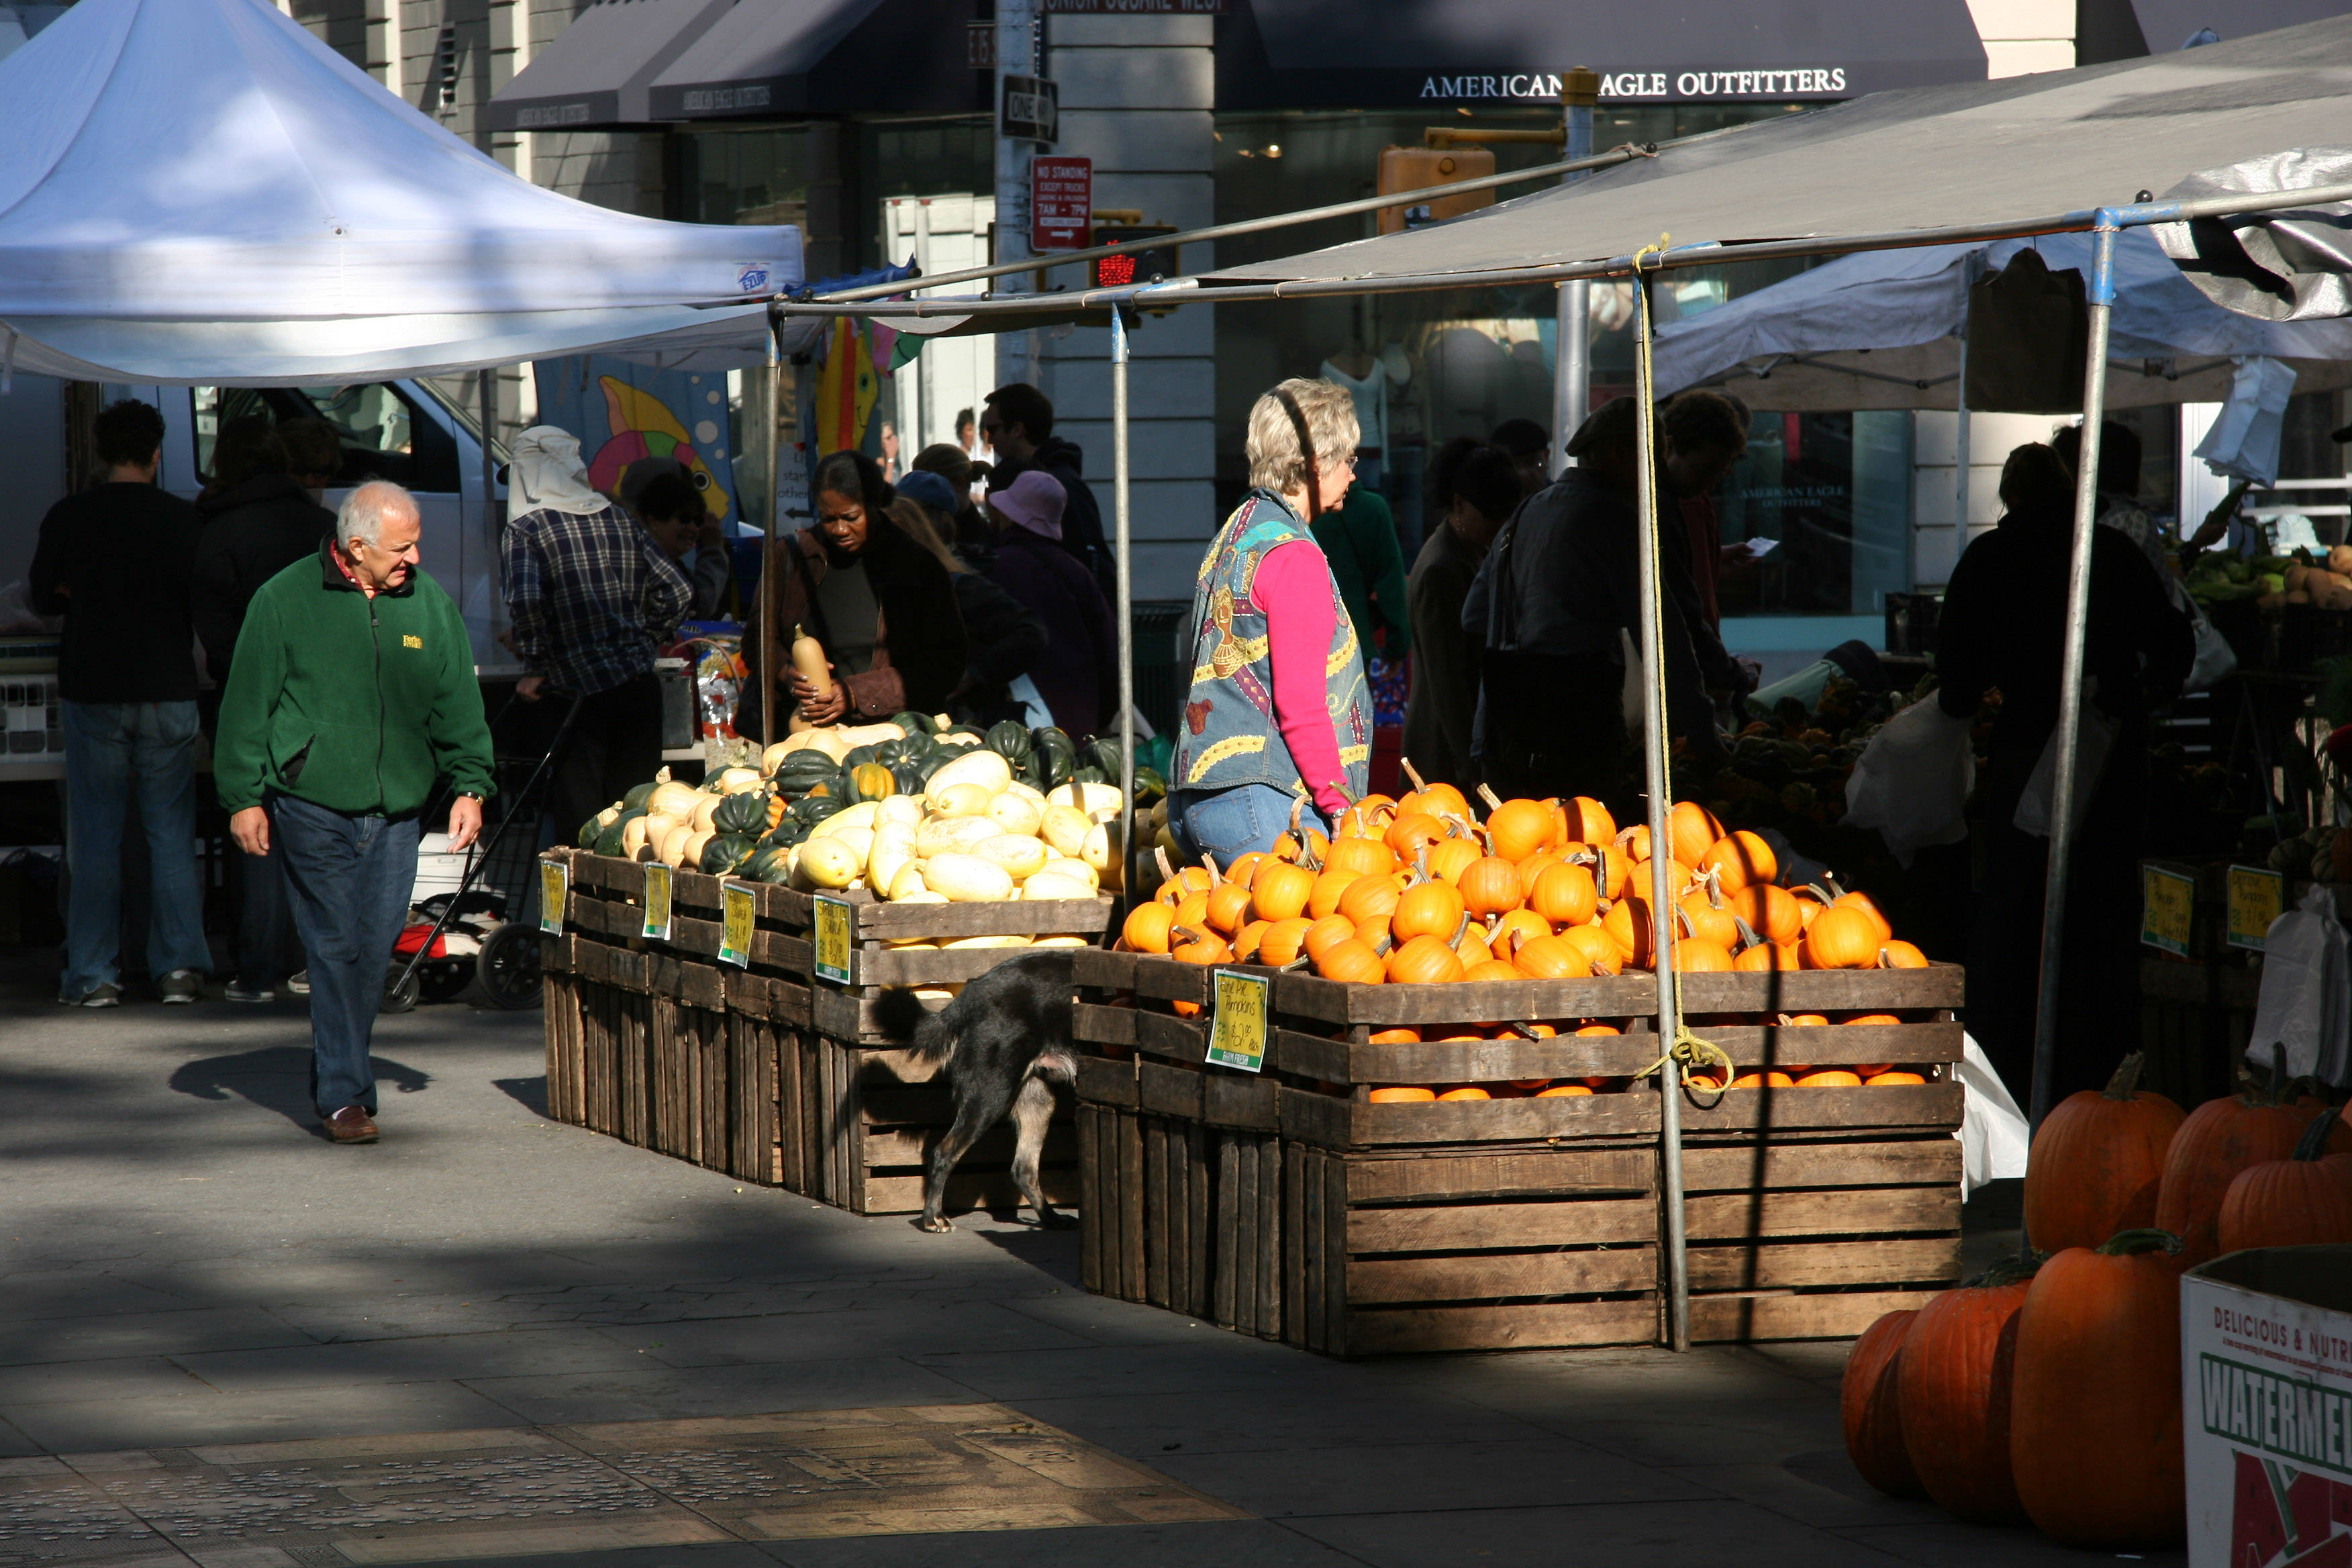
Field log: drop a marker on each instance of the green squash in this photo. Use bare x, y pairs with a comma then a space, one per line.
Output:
911, 777
915, 723
859, 756
724, 853
743, 812
609, 841
590, 831
636, 799
1102, 751
815, 808
914, 747
1009, 741
771, 862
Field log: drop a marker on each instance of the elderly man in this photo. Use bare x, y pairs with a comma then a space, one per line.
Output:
352, 690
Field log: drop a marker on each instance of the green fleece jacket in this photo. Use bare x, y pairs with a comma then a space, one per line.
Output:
350, 702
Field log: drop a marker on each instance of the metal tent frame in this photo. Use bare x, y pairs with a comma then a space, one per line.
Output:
2103, 223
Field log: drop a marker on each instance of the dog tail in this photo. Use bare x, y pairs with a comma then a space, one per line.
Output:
903, 1019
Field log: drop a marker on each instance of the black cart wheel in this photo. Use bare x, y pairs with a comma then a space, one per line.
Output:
508, 966
443, 981
400, 989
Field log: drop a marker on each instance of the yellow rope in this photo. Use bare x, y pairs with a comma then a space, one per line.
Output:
1689, 1052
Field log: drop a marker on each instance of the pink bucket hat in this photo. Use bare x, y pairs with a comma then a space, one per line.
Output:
1035, 501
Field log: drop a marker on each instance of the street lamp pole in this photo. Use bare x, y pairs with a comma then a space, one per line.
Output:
1016, 56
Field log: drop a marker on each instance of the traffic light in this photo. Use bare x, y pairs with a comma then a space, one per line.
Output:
1149, 265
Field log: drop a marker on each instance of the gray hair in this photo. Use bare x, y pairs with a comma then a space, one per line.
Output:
362, 515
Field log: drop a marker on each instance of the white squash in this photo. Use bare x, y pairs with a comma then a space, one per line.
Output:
860, 841
904, 943
1062, 941
671, 850
673, 799
637, 832
1027, 791
1047, 885
892, 850
1016, 813
937, 996
869, 735
736, 781
827, 863
960, 800
983, 768
925, 896
1077, 870
968, 878
952, 834
900, 808
971, 942
1021, 856
862, 815
701, 817
1101, 850
1091, 798
908, 888
1064, 828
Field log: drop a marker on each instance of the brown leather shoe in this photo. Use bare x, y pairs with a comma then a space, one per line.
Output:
352, 1124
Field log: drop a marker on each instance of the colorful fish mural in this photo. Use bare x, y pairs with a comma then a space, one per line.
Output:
623, 412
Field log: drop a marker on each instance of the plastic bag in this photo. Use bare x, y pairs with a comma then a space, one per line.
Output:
2093, 741
2244, 440
2303, 1019
1912, 783
1993, 1136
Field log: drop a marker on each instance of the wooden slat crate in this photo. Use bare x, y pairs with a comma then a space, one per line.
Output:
880, 1110
659, 1047
1521, 1222
2195, 1019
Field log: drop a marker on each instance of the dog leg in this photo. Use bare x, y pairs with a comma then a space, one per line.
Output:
978, 1108
1033, 1112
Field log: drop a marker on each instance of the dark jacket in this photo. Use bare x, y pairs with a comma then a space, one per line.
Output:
1359, 541
1082, 525
114, 561
1006, 641
1079, 677
252, 533
919, 642
350, 702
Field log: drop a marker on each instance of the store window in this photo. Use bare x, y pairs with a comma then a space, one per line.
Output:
384, 435
754, 174
1832, 492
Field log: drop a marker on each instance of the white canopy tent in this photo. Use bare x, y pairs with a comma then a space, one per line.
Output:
200, 192
1882, 329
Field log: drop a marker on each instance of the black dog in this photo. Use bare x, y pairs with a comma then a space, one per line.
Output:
1000, 1044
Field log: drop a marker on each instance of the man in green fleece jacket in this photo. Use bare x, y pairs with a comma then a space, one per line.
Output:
353, 689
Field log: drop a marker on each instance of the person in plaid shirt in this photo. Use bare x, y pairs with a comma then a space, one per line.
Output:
591, 596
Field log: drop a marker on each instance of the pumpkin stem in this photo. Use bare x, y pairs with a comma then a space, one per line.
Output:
1420, 787
1167, 872
1690, 927
1489, 796
1748, 937
2132, 1243
1216, 877
2008, 1271
1461, 930
2126, 1082
1712, 878
2313, 1142
1382, 944
1297, 805
1421, 866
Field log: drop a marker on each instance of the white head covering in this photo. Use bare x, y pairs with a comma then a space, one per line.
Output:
548, 475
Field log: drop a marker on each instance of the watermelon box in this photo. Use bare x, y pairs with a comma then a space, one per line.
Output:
2266, 1407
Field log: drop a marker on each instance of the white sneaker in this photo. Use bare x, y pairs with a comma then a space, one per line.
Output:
298, 983
180, 987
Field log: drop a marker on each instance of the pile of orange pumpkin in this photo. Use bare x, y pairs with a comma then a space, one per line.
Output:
2050, 1395
1421, 891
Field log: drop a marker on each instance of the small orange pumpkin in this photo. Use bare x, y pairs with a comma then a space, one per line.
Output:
1324, 933
1740, 859
1490, 886
1829, 1078
1146, 927
1351, 963
1842, 937
1409, 835
1449, 859
1284, 941
1359, 857
1492, 968
1551, 958
1465, 1091
1228, 906
1563, 894
1600, 950
1889, 1077
1586, 821
1520, 827
1427, 909
1691, 831
1901, 955
1280, 890
1370, 897
1423, 961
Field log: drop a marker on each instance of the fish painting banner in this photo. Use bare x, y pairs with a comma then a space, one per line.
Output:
623, 412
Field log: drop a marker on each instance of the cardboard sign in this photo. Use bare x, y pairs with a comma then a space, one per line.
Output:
2168, 909
1061, 203
738, 906
2256, 898
2266, 1406
554, 891
658, 901
1237, 1036
837, 920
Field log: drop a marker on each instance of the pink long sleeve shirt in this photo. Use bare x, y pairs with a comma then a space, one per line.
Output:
1293, 591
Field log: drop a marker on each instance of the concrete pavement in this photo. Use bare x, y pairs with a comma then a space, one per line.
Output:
185, 1265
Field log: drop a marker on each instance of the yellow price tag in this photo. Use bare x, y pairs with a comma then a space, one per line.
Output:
1237, 1033
658, 901
2256, 898
2168, 909
738, 905
554, 892
837, 920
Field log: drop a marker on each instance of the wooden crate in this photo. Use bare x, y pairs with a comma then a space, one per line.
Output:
660, 1047
2195, 1018
882, 1111
1485, 1225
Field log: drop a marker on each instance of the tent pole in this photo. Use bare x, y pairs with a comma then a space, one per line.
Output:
765, 674
1961, 436
2102, 295
1120, 470
1572, 397
1655, 745
493, 524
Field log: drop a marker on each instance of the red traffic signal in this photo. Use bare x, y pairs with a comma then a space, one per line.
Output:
1150, 264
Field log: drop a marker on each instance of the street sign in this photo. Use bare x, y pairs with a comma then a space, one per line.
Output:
980, 45
1031, 109
1061, 203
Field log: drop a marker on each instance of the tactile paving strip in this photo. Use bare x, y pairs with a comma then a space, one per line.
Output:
448, 1497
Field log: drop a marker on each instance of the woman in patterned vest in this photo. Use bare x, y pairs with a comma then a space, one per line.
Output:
1277, 709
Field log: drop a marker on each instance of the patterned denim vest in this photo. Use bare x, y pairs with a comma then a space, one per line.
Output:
1228, 735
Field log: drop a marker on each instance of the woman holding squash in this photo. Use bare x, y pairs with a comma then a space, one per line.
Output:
881, 607
1277, 705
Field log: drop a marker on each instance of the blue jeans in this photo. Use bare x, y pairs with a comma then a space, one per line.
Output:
349, 880
113, 749
1235, 820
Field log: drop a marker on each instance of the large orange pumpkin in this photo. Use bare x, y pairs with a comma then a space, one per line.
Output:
1359, 858
1955, 1391
2304, 1200
1563, 894
1427, 909
1584, 820
1841, 937
2217, 1141
1490, 887
1280, 890
1770, 912
1423, 961
1870, 1407
2095, 1399
2097, 1161
1691, 832
1740, 859
1520, 827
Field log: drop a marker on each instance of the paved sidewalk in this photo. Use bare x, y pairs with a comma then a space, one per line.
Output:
185, 1263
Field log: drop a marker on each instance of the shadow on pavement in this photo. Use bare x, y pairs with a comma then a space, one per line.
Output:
531, 1093
278, 1078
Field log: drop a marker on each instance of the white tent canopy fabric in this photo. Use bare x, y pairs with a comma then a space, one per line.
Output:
200, 191
1882, 330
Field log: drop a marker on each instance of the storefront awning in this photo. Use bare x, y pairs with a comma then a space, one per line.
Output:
597, 69
765, 57
1401, 53
2166, 24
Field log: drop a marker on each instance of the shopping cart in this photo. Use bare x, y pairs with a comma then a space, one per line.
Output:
479, 930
